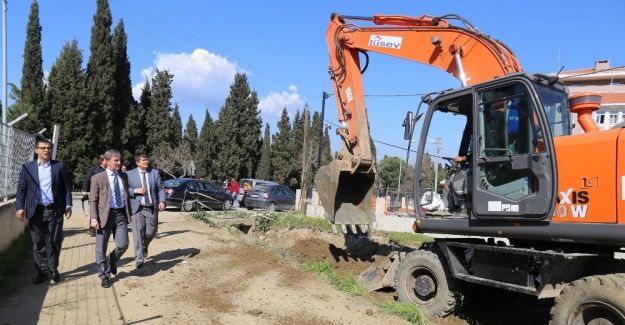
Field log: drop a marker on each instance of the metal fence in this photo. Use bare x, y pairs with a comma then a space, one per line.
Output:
16, 148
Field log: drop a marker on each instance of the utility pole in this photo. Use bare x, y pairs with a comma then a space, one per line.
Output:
302, 194
4, 62
438, 142
324, 96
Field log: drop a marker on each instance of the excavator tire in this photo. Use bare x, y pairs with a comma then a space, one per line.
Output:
597, 299
423, 279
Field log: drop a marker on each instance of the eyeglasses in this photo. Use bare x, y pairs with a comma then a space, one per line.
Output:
45, 148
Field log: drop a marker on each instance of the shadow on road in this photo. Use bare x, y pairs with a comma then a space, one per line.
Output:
160, 262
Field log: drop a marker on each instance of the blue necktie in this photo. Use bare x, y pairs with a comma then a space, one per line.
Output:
118, 192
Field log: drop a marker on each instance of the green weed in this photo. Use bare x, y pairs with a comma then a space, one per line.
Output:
299, 220
409, 239
349, 284
404, 310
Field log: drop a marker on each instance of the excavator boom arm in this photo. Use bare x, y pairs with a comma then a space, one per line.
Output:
464, 52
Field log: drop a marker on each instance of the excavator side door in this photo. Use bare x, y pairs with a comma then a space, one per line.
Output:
513, 174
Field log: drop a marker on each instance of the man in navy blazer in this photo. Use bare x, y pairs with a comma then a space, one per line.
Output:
44, 192
147, 199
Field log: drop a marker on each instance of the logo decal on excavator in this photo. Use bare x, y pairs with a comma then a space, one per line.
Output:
577, 201
391, 42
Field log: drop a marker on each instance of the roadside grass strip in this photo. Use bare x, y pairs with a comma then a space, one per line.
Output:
404, 310
349, 284
409, 239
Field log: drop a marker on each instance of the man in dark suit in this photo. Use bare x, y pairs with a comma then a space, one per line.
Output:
44, 192
147, 199
110, 214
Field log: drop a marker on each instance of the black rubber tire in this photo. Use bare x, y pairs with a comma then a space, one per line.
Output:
188, 206
271, 207
227, 205
426, 264
595, 299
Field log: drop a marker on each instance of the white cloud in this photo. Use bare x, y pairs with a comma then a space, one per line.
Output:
273, 104
201, 78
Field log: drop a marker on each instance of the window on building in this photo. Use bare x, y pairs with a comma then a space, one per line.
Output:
613, 118
600, 118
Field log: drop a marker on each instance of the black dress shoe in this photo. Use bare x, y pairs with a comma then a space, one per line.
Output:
139, 266
106, 283
56, 276
40, 278
113, 264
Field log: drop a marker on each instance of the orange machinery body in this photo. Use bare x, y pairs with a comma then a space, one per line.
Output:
590, 189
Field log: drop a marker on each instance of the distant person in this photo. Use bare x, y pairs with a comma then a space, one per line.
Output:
44, 192
124, 168
147, 199
234, 188
86, 184
110, 214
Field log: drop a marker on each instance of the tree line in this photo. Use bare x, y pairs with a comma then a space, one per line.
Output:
96, 110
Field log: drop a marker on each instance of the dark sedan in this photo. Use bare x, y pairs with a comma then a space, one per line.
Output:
191, 194
272, 197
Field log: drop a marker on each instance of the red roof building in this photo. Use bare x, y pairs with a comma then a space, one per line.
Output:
606, 81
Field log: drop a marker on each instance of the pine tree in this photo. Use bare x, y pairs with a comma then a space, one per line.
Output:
190, 133
175, 128
157, 116
326, 150
264, 167
101, 77
31, 95
124, 101
238, 131
66, 100
207, 149
282, 151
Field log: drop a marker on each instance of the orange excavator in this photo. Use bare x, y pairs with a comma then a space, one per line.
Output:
556, 199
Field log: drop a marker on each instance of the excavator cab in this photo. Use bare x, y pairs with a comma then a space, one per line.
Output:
508, 169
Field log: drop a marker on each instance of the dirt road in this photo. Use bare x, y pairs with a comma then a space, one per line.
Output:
195, 274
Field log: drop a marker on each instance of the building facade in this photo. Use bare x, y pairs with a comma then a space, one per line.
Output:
607, 82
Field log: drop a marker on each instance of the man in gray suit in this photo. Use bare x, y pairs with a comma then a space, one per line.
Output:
147, 199
110, 214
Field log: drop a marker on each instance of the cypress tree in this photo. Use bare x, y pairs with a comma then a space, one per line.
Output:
190, 133
206, 152
157, 115
281, 151
123, 90
66, 100
101, 77
134, 131
264, 167
175, 128
32, 88
238, 131
326, 151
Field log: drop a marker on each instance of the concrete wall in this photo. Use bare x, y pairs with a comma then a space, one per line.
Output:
10, 227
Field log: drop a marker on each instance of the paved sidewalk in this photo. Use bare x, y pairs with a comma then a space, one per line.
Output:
78, 299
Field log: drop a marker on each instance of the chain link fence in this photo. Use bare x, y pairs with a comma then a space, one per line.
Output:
16, 148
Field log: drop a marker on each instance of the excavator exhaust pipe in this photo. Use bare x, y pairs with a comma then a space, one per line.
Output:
346, 195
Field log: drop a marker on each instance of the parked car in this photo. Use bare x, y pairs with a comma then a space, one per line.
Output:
272, 197
246, 184
190, 194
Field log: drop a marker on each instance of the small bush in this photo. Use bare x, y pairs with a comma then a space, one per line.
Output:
299, 220
202, 216
404, 310
409, 239
264, 222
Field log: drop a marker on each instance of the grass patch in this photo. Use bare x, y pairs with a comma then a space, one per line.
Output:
12, 258
348, 284
409, 239
299, 220
404, 310
204, 217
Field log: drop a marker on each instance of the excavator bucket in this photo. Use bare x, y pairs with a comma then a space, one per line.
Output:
346, 196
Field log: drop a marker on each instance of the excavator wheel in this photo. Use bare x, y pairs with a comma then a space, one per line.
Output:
424, 280
591, 300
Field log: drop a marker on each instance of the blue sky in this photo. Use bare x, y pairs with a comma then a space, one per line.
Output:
281, 46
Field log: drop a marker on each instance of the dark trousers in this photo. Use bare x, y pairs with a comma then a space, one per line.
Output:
46, 227
116, 224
